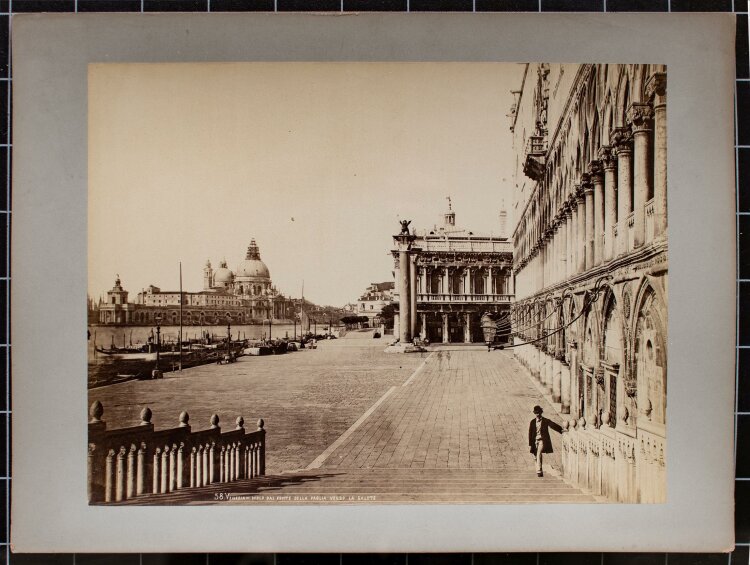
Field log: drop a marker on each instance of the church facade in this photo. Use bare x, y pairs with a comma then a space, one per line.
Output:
590, 258
243, 296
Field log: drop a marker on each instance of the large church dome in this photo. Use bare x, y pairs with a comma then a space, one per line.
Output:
252, 267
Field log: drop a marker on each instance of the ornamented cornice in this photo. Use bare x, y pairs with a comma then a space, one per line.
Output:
640, 117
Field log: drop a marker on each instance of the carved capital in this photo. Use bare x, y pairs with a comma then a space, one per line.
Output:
621, 140
596, 171
607, 158
640, 117
656, 88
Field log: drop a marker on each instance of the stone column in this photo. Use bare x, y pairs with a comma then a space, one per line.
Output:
423, 332
404, 301
444, 280
573, 237
469, 281
610, 200
640, 116
656, 87
597, 178
568, 242
467, 328
581, 236
588, 191
622, 146
412, 294
563, 254
445, 327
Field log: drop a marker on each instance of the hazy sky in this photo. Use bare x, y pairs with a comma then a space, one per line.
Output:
316, 161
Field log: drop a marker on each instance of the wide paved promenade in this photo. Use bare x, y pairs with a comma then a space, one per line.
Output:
462, 409
307, 398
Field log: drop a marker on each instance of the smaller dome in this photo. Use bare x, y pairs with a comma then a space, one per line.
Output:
222, 275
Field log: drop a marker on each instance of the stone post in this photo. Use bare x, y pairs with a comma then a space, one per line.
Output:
640, 116
597, 178
622, 146
656, 88
467, 327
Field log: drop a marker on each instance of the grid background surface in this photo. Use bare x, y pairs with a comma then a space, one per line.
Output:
742, 376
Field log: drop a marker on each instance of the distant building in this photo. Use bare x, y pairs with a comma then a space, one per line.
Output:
243, 296
447, 277
376, 297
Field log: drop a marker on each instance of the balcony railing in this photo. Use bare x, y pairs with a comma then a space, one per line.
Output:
464, 298
534, 160
138, 461
468, 245
650, 220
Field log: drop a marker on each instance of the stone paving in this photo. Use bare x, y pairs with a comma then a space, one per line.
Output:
466, 408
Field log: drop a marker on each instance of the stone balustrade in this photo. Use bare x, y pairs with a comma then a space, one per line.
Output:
139, 461
650, 220
619, 466
446, 297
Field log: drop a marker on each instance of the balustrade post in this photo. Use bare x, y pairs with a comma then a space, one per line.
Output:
109, 470
91, 473
180, 466
204, 470
212, 466
131, 478
156, 470
237, 461
120, 475
193, 478
222, 464
173, 468
199, 467
262, 455
164, 470
140, 485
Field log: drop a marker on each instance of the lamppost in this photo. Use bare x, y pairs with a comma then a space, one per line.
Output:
229, 329
156, 373
270, 323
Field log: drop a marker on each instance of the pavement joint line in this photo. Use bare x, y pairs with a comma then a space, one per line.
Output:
316, 464
418, 370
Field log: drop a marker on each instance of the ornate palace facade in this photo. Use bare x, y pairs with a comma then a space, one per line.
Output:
591, 266
446, 278
243, 296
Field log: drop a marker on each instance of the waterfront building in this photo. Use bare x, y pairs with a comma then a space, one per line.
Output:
590, 259
376, 297
447, 277
244, 296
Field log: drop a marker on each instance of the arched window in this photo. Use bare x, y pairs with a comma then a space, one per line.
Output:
650, 358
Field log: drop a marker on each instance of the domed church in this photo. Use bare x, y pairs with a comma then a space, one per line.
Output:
245, 295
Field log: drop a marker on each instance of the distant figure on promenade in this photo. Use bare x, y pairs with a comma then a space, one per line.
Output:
539, 440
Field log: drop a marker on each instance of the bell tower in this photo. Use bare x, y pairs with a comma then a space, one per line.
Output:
207, 275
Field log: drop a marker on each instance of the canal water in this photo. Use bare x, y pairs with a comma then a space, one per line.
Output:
103, 370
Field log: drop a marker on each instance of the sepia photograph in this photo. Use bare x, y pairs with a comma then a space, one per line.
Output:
377, 283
